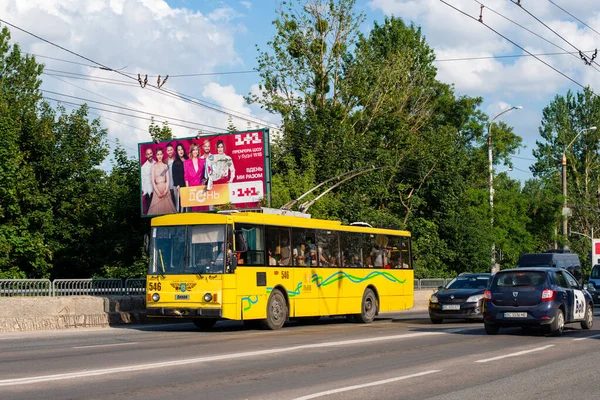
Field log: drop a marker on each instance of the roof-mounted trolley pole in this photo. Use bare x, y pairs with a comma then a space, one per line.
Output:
305, 206
290, 204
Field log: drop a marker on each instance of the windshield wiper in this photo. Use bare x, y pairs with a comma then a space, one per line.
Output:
162, 263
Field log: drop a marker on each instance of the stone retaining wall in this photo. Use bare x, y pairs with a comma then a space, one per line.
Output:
47, 313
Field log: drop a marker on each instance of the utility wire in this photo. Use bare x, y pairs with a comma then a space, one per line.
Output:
149, 76
127, 115
117, 71
135, 110
583, 23
576, 54
91, 79
516, 45
178, 95
65, 49
89, 91
564, 53
239, 72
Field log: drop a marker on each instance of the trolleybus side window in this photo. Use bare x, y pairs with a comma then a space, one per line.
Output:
406, 253
304, 249
328, 249
351, 250
278, 246
255, 238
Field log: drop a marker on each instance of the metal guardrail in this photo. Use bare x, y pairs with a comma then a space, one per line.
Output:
432, 283
87, 287
72, 287
135, 286
25, 287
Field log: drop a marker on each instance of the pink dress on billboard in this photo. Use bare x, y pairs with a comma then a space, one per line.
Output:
164, 205
193, 176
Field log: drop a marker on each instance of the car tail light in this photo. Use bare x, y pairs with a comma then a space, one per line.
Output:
487, 295
548, 295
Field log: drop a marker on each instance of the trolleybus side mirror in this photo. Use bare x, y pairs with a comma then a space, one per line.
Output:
234, 261
146, 244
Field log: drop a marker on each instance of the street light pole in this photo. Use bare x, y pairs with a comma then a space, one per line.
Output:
491, 183
564, 181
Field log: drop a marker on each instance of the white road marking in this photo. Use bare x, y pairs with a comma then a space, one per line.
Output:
198, 360
519, 353
103, 345
587, 337
364, 385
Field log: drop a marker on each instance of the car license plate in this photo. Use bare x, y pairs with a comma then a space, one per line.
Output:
182, 297
515, 315
450, 306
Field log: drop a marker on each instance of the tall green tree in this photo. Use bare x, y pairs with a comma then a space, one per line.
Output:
565, 130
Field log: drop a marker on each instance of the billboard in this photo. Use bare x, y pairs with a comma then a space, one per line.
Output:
203, 172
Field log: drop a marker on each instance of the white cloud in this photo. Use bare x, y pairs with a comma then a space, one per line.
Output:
246, 4
223, 14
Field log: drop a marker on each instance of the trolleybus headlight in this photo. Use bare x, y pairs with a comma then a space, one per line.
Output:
155, 297
207, 297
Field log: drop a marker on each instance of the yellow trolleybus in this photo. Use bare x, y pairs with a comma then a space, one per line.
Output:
261, 266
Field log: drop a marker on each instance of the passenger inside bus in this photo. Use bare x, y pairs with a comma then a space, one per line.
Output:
300, 255
285, 252
272, 259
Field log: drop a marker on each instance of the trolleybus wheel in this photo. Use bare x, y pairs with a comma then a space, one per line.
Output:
368, 308
276, 311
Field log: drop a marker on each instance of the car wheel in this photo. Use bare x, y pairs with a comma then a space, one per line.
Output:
491, 329
369, 307
276, 312
558, 326
588, 322
436, 320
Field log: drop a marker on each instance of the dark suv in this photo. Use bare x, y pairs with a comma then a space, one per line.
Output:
528, 297
461, 298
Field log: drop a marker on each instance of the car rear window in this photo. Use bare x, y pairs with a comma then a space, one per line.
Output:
469, 282
515, 278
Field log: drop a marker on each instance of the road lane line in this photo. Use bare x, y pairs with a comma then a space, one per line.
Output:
198, 360
519, 353
103, 345
587, 337
364, 385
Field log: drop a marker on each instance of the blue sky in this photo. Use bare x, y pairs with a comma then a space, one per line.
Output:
187, 36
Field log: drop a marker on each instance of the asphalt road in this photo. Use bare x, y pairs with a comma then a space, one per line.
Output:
399, 356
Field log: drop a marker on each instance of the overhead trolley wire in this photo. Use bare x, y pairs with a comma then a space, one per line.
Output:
518, 4
574, 54
516, 45
568, 13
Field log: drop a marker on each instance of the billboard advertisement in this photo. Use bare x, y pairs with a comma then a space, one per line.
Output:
201, 173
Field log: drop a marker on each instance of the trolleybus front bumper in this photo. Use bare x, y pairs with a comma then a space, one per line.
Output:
183, 312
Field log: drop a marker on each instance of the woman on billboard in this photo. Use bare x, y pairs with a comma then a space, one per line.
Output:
178, 174
193, 167
220, 167
161, 199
